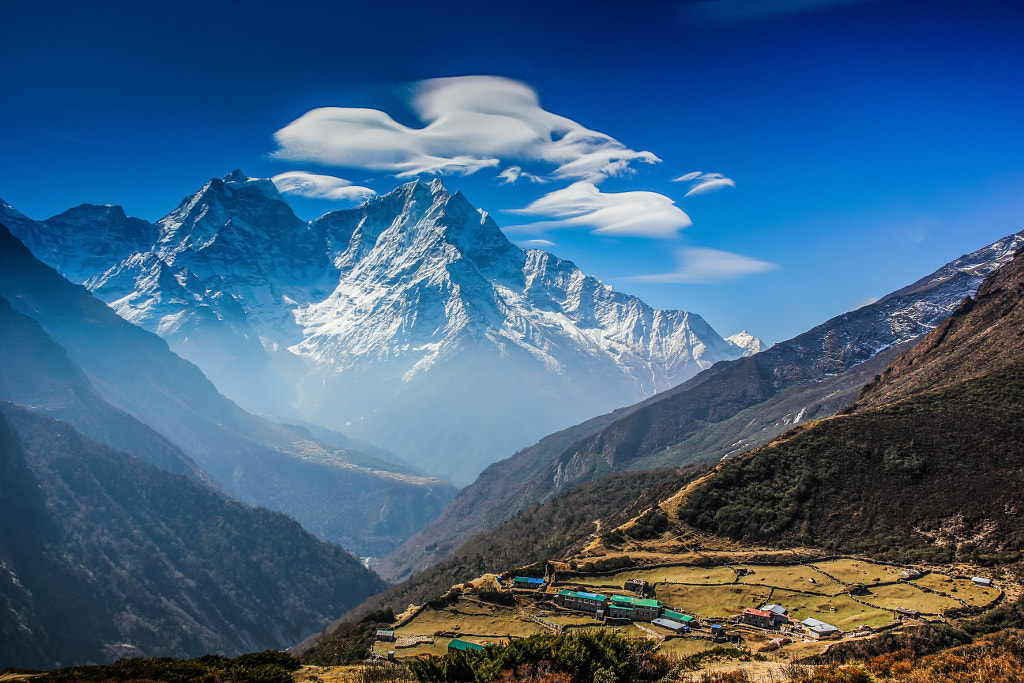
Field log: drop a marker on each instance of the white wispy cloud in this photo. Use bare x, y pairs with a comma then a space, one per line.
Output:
469, 123
583, 205
747, 11
698, 265
702, 183
316, 186
512, 174
536, 244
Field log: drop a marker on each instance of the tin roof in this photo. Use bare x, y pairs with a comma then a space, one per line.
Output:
580, 594
592, 596
812, 623
460, 644
668, 623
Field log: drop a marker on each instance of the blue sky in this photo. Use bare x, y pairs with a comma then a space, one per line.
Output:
765, 164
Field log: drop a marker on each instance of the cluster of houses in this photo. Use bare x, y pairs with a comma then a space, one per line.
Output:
625, 607
642, 609
776, 616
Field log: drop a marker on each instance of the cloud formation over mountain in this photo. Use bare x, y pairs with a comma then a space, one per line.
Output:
470, 123
316, 186
583, 205
697, 265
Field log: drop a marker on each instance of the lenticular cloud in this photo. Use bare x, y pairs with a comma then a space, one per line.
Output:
316, 186
702, 183
697, 265
583, 205
470, 123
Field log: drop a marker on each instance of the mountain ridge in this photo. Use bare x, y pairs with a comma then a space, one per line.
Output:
106, 556
340, 321
927, 462
732, 407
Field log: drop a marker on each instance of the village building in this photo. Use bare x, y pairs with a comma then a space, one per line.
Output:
637, 585
640, 609
527, 582
780, 615
686, 619
385, 634
819, 629
579, 600
979, 581
756, 617
459, 645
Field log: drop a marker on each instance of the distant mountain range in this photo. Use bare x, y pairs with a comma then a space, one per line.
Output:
410, 321
67, 354
725, 410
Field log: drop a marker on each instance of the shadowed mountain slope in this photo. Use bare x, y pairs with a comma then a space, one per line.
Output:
108, 556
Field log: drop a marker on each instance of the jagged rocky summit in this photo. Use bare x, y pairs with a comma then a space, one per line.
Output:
410, 321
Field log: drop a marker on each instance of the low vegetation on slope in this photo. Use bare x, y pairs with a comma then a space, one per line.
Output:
579, 657
271, 666
935, 477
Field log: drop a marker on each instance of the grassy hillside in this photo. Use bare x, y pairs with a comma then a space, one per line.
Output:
937, 476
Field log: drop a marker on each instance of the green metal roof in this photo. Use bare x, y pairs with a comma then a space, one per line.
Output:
638, 602
460, 644
580, 594
678, 616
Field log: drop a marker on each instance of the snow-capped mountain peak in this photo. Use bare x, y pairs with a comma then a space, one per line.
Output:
747, 342
410, 321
